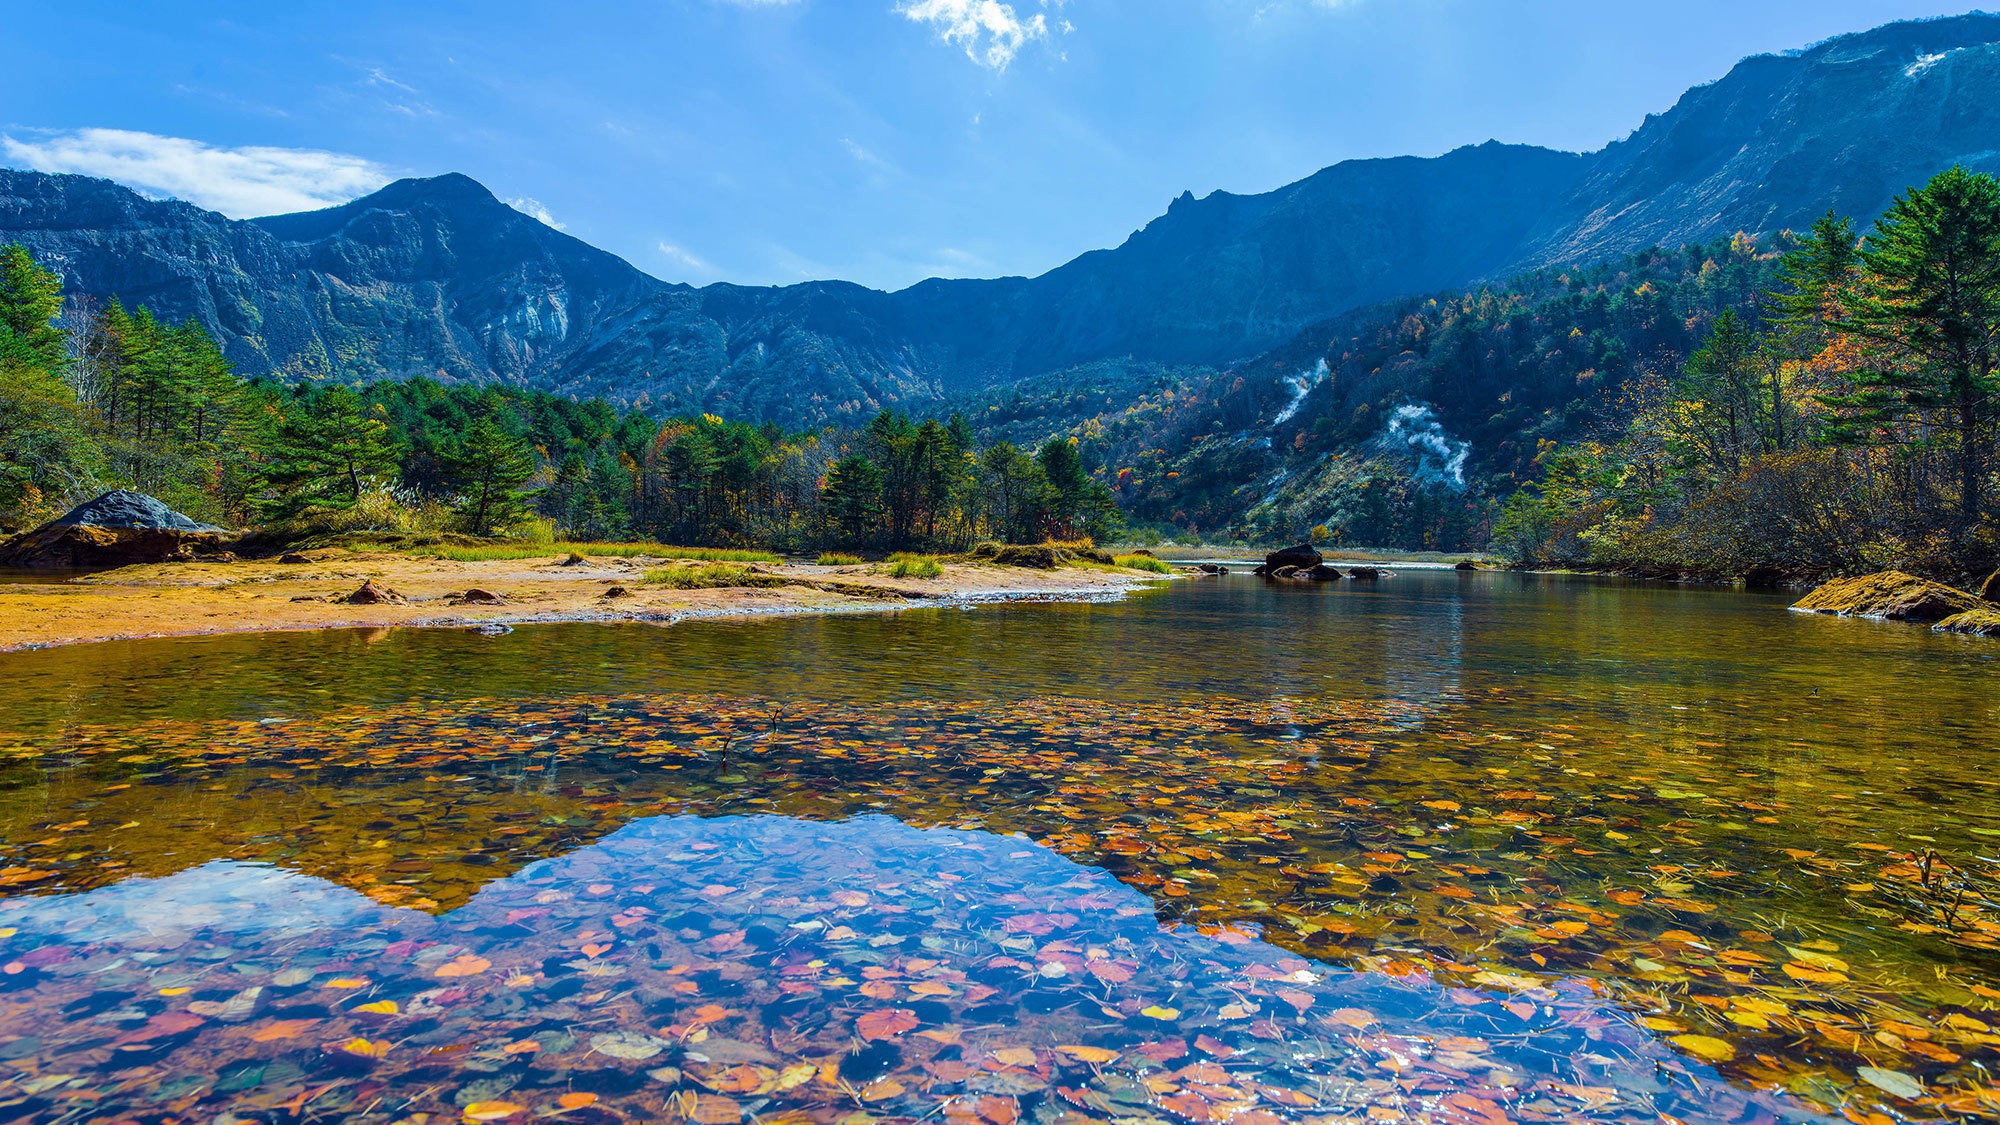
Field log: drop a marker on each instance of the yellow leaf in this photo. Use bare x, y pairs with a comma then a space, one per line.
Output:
181, 991
1015, 1056
1089, 1054
1159, 1013
346, 982
794, 1076
367, 1048
1705, 1047
491, 1111
379, 1008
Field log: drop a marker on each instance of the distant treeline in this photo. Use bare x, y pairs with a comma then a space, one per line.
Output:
94, 396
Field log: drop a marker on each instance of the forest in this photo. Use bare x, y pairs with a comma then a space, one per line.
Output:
1791, 407
1846, 426
93, 396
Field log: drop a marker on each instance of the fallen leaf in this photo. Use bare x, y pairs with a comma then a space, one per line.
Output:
886, 1023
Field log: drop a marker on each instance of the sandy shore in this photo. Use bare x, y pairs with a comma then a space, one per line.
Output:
189, 599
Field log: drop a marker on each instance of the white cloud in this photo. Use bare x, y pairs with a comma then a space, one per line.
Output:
534, 209
991, 32
682, 258
239, 182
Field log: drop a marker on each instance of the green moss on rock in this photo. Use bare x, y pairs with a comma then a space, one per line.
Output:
1891, 596
1982, 622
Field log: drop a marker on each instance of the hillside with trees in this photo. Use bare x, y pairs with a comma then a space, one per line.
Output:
1849, 428
95, 396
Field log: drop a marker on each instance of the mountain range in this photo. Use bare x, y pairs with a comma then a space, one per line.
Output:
437, 277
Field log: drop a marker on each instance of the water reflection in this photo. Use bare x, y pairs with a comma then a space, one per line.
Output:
1769, 836
719, 969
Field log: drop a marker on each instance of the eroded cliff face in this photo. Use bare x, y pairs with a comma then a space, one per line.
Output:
437, 277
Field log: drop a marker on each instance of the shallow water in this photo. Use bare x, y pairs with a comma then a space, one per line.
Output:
1454, 847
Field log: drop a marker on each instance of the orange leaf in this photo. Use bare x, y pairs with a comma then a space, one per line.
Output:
465, 965
282, 1029
887, 1023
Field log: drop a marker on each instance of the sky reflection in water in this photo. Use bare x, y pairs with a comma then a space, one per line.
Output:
721, 968
1587, 827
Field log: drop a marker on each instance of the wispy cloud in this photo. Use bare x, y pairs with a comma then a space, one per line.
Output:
533, 208
239, 182
685, 260
397, 95
866, 156
991, 32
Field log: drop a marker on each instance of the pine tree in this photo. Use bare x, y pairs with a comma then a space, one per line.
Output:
1929, 294
852, 499
30, 298
489, 466
329, 446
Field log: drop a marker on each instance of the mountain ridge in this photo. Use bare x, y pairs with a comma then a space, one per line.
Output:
437, 277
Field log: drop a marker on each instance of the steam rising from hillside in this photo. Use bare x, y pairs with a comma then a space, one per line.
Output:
1302, 384
1440, 458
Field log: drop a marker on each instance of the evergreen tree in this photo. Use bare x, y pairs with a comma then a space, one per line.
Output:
30, 298
1929, 295
489, 467
852, 499
329, 446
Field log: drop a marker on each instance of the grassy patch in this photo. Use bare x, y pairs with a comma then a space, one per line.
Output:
1144, 562
711, 576
490, 552
904, 565
831, 558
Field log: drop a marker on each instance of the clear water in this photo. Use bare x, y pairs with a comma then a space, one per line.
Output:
1446, 847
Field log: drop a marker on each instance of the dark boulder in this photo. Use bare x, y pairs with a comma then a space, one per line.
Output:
1285, 572
1301, 557
119, 528
1211, 568
372, 593
1369, 573
1990, 592
1323, 573
477, 596
1467, 565
293, 558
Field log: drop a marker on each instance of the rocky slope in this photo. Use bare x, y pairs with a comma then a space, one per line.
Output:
436, 277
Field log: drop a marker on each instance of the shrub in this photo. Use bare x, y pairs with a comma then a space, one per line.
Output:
711, 576
903, 565
833, 558
1144, 562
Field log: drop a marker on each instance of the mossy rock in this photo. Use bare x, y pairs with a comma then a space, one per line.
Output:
1891, 596
1034, 558
1981, 622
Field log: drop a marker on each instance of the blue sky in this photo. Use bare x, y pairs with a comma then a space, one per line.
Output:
879, 141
